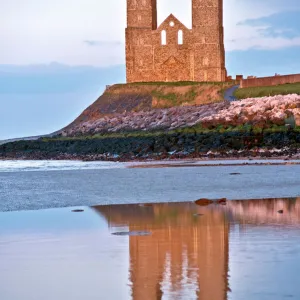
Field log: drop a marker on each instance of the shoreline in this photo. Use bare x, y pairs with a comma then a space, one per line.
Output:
190, 165
182, 162
261, 154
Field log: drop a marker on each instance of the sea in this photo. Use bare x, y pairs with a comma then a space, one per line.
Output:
113, 230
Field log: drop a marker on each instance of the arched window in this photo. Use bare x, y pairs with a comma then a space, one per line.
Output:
180, 37
164, 37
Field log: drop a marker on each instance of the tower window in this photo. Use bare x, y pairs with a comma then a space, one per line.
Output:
164, 37
180, 37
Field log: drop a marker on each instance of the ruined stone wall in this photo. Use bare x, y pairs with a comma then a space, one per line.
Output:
269, 81
172, 52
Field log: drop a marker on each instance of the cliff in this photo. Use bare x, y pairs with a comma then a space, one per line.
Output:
260, 112
144, 121
135, 97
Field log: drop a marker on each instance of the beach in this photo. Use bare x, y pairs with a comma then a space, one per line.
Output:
120, 230
237, 251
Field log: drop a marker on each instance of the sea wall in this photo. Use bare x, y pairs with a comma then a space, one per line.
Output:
158, 146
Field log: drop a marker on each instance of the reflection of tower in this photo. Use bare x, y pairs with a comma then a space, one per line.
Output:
186, 257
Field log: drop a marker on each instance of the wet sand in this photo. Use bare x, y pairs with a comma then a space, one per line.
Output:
214, 163
244, 250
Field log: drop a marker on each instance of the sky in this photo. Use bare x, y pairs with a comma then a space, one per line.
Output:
57, 56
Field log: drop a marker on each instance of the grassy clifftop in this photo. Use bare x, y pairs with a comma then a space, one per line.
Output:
135, 97
165, 95
262, 91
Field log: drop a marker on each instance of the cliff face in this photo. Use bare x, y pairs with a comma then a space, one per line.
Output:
125, 98
259, 112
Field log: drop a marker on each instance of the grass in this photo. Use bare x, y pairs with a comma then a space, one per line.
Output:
186, 130
170, 94
172, 99
255, 92
178, 83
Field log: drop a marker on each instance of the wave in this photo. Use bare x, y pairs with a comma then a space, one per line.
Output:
55, 165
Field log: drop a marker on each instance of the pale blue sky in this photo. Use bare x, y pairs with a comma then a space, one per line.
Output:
262, 37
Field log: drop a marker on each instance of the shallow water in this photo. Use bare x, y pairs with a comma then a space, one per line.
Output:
244, 250
47, 184
64, 165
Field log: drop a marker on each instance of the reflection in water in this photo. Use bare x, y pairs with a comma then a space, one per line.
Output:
265, 211
187, 255
243, 250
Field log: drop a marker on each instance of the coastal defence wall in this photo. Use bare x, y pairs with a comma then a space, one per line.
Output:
270, 81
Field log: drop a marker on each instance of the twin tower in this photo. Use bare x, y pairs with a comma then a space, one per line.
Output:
172, 52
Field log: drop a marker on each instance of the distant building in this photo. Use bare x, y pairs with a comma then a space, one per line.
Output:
239, 77
171, 51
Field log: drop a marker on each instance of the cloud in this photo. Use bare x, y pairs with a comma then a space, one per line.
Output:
285, 24
93, 43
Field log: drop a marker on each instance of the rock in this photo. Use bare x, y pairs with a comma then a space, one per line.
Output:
280, 211
145, 205
77, 210
222, 201
204, 202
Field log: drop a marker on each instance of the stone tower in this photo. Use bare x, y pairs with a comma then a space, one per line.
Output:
171, 51
207, 20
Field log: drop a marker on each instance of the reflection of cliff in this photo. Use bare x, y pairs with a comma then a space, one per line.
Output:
186, 257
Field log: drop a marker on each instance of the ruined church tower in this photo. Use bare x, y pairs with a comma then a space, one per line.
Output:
172, 52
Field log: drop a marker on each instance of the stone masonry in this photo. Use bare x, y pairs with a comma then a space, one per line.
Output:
270, 81
171, 52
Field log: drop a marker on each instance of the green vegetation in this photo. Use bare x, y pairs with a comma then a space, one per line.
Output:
173, 99
254, 92
197, 129
161, 144
193, 141
178, 83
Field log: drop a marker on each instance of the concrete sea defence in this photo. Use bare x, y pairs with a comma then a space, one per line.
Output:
259, 112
